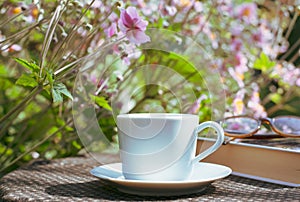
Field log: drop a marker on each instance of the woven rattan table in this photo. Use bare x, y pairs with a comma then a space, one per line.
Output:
69, 180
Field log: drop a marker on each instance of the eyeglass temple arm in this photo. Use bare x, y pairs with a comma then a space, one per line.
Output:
269, 122
226, 141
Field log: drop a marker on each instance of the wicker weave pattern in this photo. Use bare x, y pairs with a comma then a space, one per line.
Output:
69, 180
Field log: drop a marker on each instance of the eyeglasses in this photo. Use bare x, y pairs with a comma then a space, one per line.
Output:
245, 126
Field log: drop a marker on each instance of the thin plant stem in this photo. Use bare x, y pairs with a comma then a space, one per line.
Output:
69, 65
280, 105
49, 35
277, 30
33, 147
8, 123
210, 12
293, 47
187, 15
17, 137
7, 118
291, 25
20, 136
83, 42
86, 57
67, 78
21, 33
33, 93
69, 36
295, 57
11, 19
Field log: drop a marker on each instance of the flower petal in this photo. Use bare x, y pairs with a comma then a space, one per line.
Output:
137, 36
132, 12
111, 30
141, 24
121, 26
126, 19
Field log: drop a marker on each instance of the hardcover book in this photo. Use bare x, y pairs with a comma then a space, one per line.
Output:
272, 160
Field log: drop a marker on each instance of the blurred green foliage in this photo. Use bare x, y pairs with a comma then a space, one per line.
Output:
57, 37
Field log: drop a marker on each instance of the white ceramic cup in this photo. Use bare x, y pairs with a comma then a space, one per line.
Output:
161, 146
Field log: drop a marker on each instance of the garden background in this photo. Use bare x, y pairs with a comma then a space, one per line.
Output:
253, 46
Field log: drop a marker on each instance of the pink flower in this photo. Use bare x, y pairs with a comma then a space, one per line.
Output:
15, 48
96, 4
238, 104
298, 82
225, 7
236, 29
111, 30
247, 12
10, 49
241, 62
194, 109
198, 6
171, 10
255, 106
133, 26
113, 17
263, 35
236, 44
239, 68
237, 76
148, 8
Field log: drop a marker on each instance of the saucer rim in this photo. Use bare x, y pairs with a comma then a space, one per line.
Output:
225, 172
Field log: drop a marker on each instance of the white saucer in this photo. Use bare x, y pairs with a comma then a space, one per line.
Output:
203, 174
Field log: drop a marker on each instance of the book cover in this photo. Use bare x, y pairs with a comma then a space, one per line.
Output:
272, 160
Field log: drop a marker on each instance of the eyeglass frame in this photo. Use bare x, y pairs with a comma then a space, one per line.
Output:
260, 121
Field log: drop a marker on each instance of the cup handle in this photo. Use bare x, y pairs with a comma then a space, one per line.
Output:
217, 144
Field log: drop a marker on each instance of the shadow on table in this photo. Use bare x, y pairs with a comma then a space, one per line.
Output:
98, 190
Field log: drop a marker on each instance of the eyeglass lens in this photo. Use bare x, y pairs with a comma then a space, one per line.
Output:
240, 125
287, 125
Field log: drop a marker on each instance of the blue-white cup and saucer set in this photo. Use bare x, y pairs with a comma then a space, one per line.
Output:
157, 152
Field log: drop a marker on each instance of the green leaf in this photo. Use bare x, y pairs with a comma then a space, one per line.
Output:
242, 1
37, 36
58, 90
263, 63
26, 80
56, 96
176, 26
275, 97
160, 23
76, 144
50, 154
65, 91
29, 65
3, 70
102, 102
50, 77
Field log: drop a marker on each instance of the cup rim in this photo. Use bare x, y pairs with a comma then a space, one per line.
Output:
156, 116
